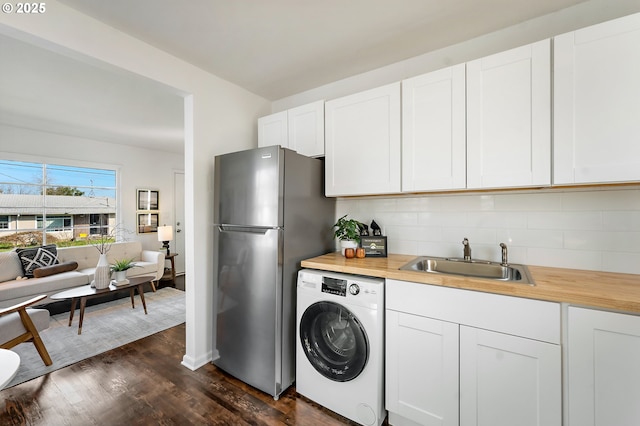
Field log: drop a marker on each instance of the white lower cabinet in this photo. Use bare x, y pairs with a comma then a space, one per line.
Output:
458, 357
422, 370
508, 380
604, 368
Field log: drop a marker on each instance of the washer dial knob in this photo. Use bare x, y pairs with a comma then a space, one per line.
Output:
354, 289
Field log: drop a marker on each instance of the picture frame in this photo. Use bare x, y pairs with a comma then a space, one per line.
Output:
148, 200
147, 223
375, 246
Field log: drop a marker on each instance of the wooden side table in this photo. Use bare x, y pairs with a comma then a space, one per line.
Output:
170, 273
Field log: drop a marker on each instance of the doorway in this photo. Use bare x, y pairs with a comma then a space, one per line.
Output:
178, 197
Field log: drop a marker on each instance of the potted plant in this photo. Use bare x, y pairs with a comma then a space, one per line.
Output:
120, 268
348, 232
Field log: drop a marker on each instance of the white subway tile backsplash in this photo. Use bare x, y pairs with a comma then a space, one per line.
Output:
467, 202
602, 200
497, 219
398, 218
400, 246
531, 238
447, 219
591, 220
627, 263
621, 220
628, 242
419, 204
573, 259
529, 202
585, 240
474, 235
583, 229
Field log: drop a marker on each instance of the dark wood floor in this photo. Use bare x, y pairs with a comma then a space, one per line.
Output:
143, 383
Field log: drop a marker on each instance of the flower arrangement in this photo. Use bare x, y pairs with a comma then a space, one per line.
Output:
103, 242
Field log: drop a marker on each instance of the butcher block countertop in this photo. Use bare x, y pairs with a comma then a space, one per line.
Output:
604, 290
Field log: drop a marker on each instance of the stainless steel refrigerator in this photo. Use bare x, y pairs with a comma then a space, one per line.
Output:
270, 213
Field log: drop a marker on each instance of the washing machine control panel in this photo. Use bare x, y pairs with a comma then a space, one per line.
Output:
334, 286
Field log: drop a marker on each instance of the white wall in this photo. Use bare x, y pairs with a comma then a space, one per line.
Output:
595, 230
219, 117
137, 168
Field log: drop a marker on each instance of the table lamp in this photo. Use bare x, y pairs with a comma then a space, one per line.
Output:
165, 234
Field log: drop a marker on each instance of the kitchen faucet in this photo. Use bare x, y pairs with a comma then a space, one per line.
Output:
467, 250
504, 254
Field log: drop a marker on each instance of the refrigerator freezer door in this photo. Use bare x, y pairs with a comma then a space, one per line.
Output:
248, 188
249, 294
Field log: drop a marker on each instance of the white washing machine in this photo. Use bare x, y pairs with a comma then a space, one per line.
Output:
339, 344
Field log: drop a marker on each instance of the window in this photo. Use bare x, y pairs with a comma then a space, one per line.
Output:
54, 204
55, 223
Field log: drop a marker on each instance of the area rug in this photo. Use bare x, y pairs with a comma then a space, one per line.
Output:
106, 326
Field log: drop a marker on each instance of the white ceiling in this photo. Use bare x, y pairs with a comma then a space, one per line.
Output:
273, 48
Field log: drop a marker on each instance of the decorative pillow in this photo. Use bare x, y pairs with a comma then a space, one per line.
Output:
45, 271
37, 257
10, 266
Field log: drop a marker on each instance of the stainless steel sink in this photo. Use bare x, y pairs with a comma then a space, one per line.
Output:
474, 268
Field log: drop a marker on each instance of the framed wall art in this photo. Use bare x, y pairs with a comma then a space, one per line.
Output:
147, 222
148, 200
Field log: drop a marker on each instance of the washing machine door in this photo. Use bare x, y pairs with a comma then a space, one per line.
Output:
334, 341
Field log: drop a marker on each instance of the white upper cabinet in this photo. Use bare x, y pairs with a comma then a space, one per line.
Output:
362, 140
433, 131
306, 129
272, 130
509, 118
597, 103
300, 129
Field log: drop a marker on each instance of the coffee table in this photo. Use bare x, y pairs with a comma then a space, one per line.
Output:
87, 292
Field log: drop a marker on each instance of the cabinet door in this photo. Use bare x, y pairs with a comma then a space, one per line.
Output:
507, 380
272, 130
421, 369
604, 368
596, 103
362, 135
306, 129
433, 131
509, 118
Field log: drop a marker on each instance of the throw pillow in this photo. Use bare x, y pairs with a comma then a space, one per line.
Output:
10, 266
37, 257
45, 271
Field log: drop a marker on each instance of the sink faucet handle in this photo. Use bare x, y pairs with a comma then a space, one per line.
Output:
503, 246
467, 249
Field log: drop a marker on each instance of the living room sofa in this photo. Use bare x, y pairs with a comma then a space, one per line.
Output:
14, 290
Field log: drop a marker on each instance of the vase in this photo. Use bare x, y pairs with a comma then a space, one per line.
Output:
120, 276
102, 275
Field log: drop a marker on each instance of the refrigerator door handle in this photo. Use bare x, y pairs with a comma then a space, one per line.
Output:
251, 229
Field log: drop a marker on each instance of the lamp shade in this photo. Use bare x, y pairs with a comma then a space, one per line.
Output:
165, 233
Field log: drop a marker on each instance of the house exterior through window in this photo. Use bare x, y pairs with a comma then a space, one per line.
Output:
54, 204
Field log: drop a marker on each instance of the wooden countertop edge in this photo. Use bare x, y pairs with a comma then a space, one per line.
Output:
605, 290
